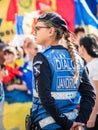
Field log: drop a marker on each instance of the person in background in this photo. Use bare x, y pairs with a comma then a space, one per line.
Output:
2, 45
89, 51
30, 50
25, 42
17, 100
20, 56
60, 79
78, 33
1, 89
1, 99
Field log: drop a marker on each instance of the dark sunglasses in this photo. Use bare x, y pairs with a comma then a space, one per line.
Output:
39, 27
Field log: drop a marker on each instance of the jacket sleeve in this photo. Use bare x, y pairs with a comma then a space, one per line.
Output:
87, 100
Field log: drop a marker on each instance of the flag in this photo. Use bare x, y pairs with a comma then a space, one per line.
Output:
66, 8
26, 6
19, 23
61, 7
29, 22
12, 10
7, 30
43, 5
46, 5
88, 16
92, 4
25, 24
78, 14
0, 21
3, 8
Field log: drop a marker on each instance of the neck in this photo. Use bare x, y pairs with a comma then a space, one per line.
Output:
51, 43
31, 57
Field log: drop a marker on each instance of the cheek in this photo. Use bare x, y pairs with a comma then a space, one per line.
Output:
6, 57
40, 39
31, 51
11, 59
42, 35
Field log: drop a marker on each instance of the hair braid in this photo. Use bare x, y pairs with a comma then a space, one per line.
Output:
72, 53
63, 35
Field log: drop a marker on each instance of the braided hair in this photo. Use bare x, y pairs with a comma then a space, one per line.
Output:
61, 33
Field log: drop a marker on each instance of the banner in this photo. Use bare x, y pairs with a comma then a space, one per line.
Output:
7, 31
4, 8
0, 21
61, 7
19, 24
46, 5
25, 24
66, 8
8, 9
26, 6
12, 10
88, 17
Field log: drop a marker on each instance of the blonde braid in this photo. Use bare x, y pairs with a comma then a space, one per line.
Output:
64, 36
72, 52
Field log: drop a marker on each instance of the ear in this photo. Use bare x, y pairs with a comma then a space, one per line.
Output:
51, 31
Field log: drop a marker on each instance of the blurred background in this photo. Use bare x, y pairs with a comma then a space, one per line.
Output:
17, 22
18, 17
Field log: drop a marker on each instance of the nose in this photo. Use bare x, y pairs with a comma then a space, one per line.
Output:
34, 33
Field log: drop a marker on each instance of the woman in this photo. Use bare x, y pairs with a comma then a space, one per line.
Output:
59, 78
89, 51
30, 50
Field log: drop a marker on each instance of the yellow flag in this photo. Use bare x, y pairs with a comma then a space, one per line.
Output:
7, 30
3, 8
26, 6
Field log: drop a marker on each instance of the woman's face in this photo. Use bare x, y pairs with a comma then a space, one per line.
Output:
41, 33
9, 58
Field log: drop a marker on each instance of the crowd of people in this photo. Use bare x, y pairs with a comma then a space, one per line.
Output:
57, 82
16, 80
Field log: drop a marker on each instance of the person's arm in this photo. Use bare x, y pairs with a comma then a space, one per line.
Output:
21, 87
43, 77
87, 99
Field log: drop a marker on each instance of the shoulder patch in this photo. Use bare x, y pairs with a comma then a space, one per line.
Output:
37, 62
36, 68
